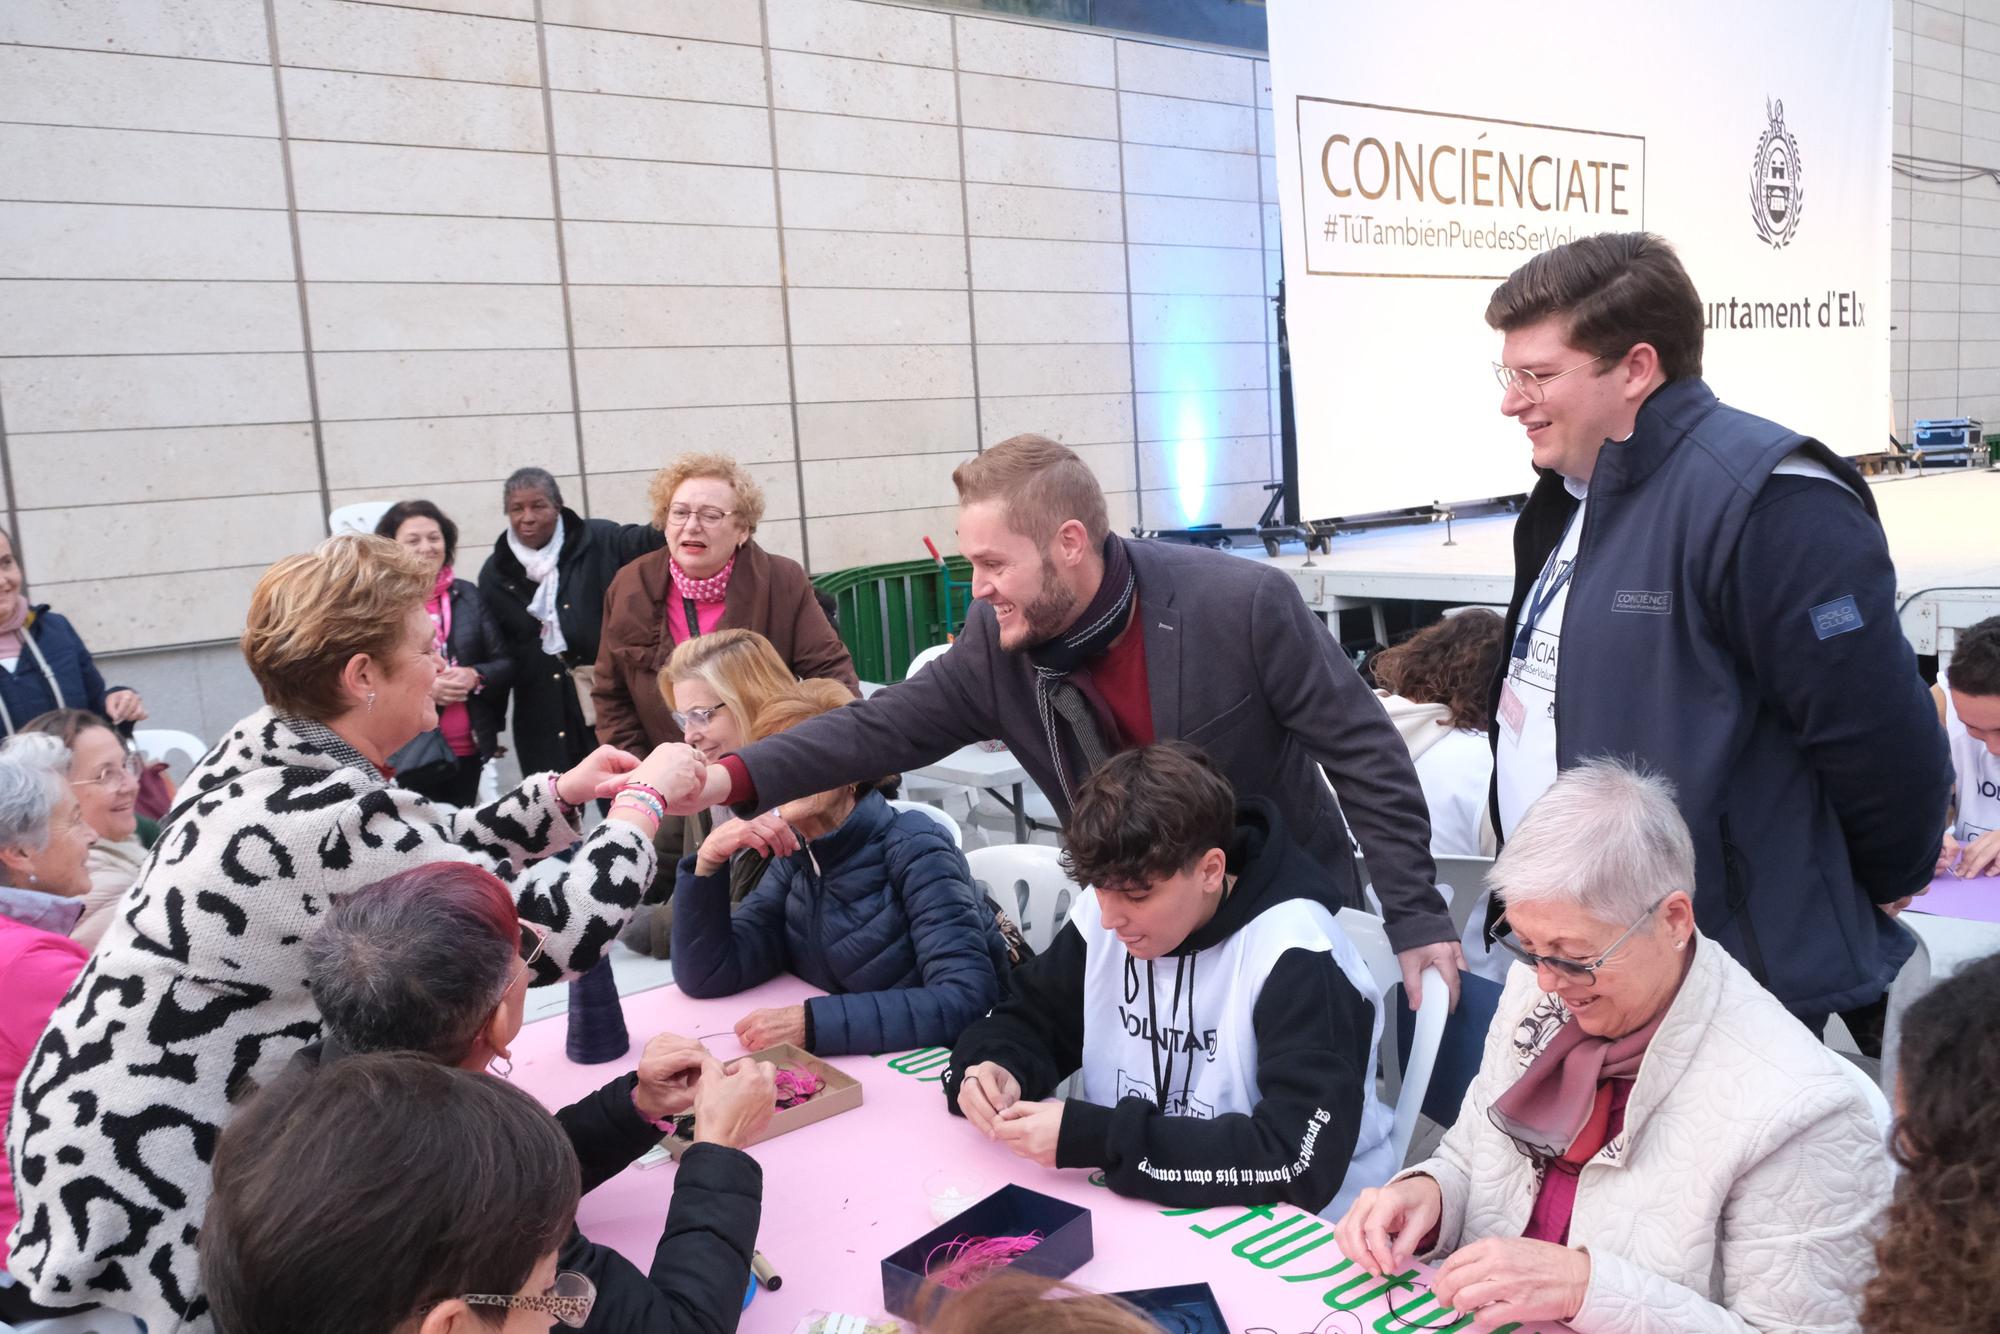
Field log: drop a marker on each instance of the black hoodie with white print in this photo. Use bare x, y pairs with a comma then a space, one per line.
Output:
1237, 1070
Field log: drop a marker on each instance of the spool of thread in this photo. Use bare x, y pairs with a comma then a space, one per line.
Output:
761, 1268
596, 1019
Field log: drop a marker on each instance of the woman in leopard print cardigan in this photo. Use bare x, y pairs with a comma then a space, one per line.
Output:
198, 990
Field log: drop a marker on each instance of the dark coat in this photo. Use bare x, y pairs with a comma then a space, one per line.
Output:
701, 1267
27, 693
767, 593
889, 922
549, 731
1235, 663
476, 643
1736, 631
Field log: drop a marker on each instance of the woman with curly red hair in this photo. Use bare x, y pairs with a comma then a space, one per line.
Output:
1938, 1262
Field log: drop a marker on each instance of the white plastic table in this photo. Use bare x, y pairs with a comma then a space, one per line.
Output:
987, 770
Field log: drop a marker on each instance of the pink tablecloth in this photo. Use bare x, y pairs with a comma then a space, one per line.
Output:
1977, 900
841, 1194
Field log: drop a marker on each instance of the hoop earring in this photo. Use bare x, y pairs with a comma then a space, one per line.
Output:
501, 1067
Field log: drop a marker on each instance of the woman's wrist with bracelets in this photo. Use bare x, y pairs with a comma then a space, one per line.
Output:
641, 799
564, 806
645, 789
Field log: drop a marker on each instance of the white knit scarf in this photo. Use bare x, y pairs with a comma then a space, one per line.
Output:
541, 568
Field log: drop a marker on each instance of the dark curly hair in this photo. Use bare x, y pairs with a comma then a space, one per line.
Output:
1938, 1261
1452, 663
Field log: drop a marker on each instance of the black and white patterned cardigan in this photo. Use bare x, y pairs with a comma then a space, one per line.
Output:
198, 991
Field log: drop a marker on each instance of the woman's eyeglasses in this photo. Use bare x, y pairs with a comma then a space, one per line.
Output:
534, 943
114, 775
569, 1299
1575, 970
695, 717
710, 516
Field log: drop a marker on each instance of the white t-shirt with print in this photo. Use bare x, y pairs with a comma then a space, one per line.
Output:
1976, 771
1525, 764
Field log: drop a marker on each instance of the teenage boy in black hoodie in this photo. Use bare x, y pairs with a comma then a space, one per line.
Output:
1223, 1025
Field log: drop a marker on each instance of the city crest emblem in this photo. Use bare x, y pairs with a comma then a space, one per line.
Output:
1776, 193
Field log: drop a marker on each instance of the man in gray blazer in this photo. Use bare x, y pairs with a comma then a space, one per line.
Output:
1082, 644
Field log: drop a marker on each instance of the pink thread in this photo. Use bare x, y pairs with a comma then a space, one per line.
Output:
795, 1086
971, 1260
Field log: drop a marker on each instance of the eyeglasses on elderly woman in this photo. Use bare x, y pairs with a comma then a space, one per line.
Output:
1573, 970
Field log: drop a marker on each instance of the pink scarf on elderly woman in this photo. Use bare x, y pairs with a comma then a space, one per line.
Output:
1566, 1106
12, 625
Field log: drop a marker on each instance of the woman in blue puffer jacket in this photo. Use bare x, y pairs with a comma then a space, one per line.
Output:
873, 905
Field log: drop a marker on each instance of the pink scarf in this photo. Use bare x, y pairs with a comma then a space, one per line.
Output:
12, 625
439, 608
1550, 1105
715, 588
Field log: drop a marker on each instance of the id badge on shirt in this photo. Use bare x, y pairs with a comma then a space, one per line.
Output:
1513, 712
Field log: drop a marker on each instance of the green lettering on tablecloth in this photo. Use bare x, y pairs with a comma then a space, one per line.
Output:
1266, 1257
926, 1063
1335, 1298
1295, 1235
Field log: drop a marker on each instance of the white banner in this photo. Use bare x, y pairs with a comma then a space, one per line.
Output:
1427, 149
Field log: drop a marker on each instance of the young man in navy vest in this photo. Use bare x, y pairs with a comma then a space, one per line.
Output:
1710, 594
1222, 1026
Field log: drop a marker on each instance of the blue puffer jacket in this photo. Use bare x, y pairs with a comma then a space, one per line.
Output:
889, 923
26, 691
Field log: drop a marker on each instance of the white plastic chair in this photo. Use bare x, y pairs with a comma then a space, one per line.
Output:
1027, 880
924, 659
163, 743
1412, 1082
1912, 981
1878, 1103
943, 818
360, 517
930, 789
1467, 878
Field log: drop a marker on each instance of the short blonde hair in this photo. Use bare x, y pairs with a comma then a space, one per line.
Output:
806, 699
749, 495
1040, 486
313, 612
740, 666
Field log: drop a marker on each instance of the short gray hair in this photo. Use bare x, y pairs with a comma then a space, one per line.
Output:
34, 775
415, 962
532, 479
1606, 838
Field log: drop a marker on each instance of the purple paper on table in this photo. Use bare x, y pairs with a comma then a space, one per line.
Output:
1948, 896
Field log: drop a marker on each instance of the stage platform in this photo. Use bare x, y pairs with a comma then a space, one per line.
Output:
1944, 534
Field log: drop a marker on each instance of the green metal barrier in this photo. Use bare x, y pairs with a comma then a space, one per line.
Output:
891, 613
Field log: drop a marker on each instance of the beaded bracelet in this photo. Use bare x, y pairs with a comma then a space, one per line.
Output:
640, 801
637, 786
645, 818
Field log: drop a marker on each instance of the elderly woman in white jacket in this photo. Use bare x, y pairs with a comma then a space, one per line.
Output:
1653, 1145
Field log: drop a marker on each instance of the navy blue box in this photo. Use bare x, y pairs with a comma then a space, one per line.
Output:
1937, 432
1011, 1211
1186, 1308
